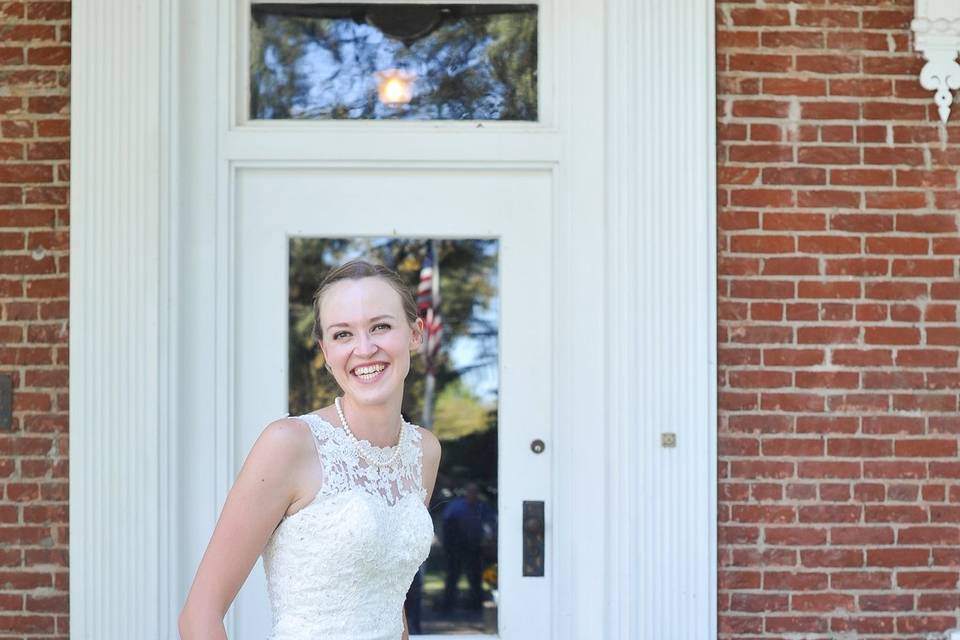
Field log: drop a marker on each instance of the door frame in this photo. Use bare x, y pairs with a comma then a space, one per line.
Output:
653, 274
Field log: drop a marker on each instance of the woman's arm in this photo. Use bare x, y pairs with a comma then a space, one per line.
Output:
262, 492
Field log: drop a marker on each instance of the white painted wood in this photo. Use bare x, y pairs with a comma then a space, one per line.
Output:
152, 328
514, 206
661, 313
122, 521
501, 146
936, 29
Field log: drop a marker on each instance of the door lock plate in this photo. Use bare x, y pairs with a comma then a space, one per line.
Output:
533, 537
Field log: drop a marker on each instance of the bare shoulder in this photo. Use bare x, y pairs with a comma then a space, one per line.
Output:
431, 447
286, 439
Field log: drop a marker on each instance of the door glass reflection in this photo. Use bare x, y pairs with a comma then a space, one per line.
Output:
376, 61
452, 389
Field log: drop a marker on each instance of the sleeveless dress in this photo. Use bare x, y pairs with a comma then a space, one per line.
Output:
339, 568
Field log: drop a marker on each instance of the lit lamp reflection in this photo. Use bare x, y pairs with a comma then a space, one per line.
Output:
395, 87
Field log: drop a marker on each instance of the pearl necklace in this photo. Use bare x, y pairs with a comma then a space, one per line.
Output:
366, 450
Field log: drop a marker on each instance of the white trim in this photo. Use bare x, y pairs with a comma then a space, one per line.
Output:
936, 30
661, 313
121, 194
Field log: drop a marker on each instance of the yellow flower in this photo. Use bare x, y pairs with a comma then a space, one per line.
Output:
490, 576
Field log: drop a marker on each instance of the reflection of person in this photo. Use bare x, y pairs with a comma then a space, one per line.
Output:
464, 521
411, 605
335, 500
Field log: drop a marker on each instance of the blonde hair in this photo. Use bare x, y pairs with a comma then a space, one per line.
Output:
356, 270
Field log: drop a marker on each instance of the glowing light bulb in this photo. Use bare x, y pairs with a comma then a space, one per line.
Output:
395, 87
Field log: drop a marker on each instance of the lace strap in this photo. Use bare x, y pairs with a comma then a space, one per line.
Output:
318, 427
417, 443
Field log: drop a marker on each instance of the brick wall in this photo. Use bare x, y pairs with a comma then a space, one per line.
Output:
34, 265
839, 291
838, 340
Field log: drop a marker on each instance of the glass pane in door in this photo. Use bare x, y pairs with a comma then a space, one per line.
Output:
452, 388
378, 61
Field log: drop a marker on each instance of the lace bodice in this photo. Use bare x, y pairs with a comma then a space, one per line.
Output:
339, 568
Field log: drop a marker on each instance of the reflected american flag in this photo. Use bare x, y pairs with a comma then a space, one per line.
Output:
428, 304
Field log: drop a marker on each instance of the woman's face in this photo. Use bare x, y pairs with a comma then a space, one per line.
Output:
366, 339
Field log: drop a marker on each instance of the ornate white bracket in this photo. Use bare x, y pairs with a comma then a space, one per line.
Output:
936, 27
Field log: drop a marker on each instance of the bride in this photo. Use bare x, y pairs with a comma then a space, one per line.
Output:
334, 500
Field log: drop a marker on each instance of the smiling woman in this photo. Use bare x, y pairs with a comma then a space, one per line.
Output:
459, 405
336, 499
366, 324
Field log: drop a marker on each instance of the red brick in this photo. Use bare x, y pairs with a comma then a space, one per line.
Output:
736, 175
48, 104
827, 244
25, 173
836, 133
761, 153
760, 17
892, 156
828, 64
794, 86
826, 19
894, 111
48, 151
892, 65
794, 175
766, 132
830, 110
859, 41
923, 268
55, 56
859, 536
737, 39
829, 155
899, 245
857, 267
760, 109
895, 290
927, 580
760, 63
895, 19
776, 221
828, 289
829, 198
794, 39
48, 10
26, 32
930, 223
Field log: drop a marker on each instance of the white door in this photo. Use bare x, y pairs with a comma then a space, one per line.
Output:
249, 187
275, 205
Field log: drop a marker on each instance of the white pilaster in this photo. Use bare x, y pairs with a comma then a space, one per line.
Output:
661, 242
120, 518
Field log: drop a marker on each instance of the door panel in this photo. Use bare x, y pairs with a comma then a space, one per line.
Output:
273, 205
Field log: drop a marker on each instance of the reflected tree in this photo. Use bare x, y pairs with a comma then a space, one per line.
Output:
474, 66
468, 288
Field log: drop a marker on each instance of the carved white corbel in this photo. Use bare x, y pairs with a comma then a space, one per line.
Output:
936, 28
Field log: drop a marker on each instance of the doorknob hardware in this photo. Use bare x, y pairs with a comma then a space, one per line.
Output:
533, 530
537, 446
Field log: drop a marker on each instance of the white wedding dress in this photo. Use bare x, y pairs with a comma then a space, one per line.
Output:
339, 568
